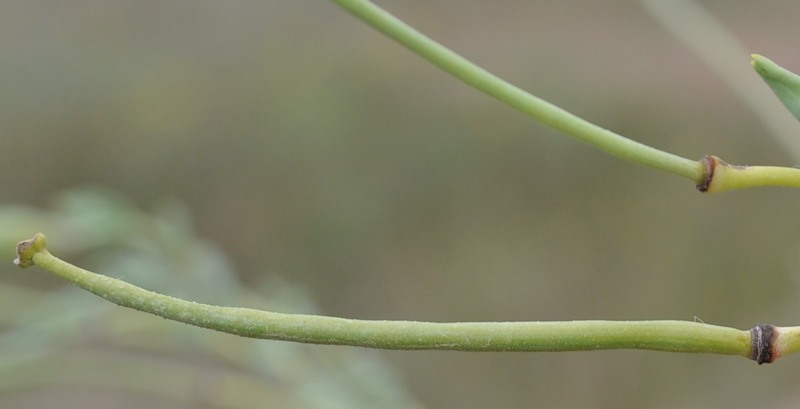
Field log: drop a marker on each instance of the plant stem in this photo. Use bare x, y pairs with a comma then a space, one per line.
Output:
722, 176
519, 99
671, 336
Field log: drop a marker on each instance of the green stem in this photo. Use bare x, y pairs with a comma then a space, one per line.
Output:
519, 99
722, 176
672, 336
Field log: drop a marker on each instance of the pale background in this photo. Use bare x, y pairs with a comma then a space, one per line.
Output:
311, 148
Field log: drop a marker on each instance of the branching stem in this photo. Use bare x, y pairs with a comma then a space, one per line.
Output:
764, 343
737, 177
519, 99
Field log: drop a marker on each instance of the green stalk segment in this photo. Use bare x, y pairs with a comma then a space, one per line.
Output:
672, 336
519, 99
722, 176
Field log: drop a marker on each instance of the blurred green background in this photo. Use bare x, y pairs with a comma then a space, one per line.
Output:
293, 150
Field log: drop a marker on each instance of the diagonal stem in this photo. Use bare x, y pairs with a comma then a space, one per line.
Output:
519, 99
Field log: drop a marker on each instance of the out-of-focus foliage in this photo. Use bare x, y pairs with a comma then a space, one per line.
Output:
62, 338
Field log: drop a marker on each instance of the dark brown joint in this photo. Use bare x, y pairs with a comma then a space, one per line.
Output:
763, 340
710, 162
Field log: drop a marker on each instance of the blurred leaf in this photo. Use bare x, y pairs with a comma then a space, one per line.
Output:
162, 251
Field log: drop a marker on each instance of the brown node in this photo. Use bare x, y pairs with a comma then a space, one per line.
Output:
710, 163
763, 343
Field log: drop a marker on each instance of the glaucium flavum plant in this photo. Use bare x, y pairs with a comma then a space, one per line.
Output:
763, 343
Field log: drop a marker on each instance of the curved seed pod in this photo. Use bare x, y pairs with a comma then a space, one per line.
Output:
784, 83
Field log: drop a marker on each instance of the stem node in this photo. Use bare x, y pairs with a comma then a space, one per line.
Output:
763, 340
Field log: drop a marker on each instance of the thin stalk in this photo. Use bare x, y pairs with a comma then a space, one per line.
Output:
722, 176
743, 177
671, 336
564, 121
519, 99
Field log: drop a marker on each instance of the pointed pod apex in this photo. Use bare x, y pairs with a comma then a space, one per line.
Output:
784, 83
27, 248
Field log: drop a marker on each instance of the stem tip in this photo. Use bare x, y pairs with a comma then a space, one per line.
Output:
27, 248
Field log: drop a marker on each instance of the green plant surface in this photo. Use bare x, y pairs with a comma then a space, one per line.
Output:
671, 336
783, 82
710, 173
716, 287
543, 111
57, 339
568, 123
